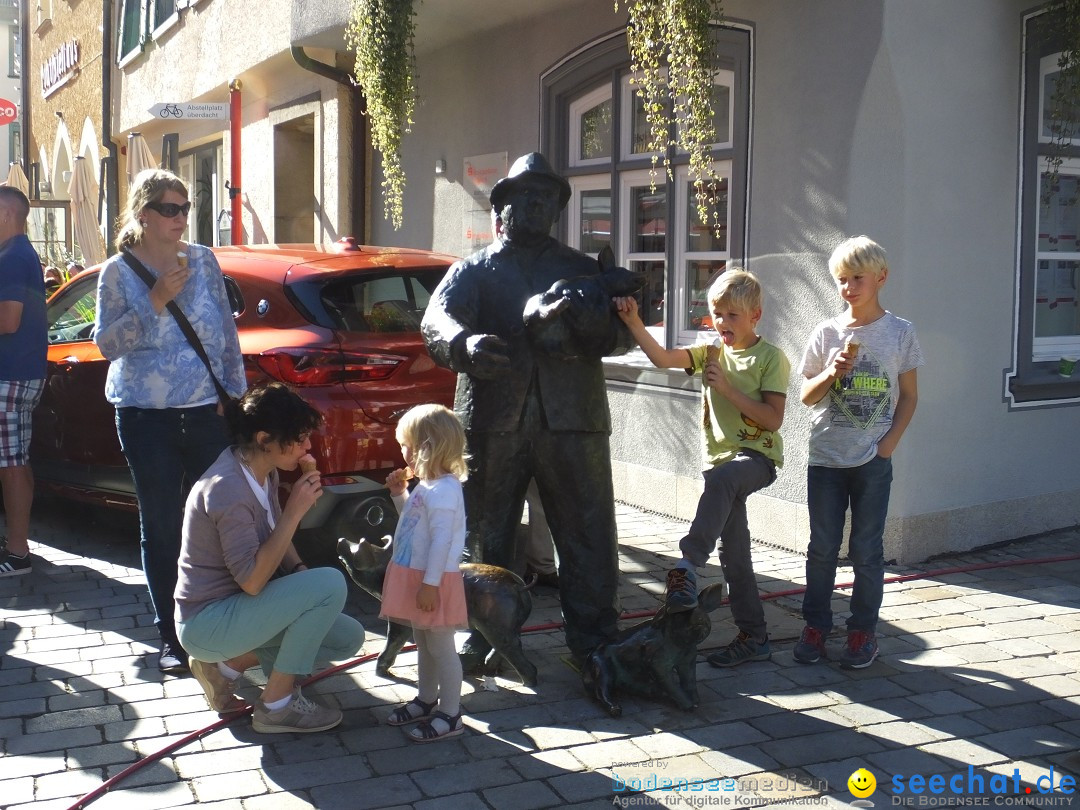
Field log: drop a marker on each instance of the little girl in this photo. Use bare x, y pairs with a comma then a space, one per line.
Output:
423, 585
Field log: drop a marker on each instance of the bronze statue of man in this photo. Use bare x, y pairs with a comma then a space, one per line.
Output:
532, 399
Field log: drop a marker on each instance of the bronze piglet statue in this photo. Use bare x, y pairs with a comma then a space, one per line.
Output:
498, 601
655, 658
574, 313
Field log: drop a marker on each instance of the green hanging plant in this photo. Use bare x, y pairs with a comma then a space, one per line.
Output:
381, 34
1064, 105
672, 58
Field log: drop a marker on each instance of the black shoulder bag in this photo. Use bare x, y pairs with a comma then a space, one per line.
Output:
181, 320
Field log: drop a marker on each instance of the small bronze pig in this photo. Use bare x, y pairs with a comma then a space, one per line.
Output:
498, 601
655, 657
564, 318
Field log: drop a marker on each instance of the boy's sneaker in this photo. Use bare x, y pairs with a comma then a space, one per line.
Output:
861, 650
301, 715
811, 646
681, 593
12, 565
742, 649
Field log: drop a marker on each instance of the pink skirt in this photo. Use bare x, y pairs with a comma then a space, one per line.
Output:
400, 587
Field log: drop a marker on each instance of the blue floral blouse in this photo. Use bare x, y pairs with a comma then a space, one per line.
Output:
152, 363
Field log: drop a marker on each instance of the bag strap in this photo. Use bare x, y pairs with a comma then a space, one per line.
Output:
181, 320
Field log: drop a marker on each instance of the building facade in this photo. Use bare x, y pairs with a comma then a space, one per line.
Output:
175, 60
921, 124
10, 83
64, 80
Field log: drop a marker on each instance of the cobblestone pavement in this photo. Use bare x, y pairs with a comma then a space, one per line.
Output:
977, 682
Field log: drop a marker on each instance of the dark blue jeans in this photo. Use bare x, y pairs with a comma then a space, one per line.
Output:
829, 492
721, 513
167, 450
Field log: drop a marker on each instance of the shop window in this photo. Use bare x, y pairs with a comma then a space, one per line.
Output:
1048, 317
596, 133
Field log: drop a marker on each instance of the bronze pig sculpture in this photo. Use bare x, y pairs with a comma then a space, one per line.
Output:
655, 657
574, 313
498, 602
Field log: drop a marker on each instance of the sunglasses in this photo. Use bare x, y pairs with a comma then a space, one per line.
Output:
169, 210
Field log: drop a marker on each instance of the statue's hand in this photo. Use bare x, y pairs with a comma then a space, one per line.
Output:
486, 356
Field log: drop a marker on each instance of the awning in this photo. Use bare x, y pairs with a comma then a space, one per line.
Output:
139, 156
83, 193
17, 179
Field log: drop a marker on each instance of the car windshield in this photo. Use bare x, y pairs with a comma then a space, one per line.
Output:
389, 302
71, 316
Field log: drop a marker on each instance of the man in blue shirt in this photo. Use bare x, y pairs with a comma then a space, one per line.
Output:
23, 345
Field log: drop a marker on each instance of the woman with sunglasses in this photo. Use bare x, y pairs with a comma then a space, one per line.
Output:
168, 412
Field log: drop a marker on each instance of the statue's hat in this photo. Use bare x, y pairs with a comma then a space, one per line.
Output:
533, 164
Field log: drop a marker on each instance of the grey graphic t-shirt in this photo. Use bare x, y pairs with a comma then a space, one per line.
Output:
847, 423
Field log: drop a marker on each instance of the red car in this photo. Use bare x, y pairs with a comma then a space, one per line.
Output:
339, 323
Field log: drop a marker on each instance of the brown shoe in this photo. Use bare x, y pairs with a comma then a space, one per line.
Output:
218, 688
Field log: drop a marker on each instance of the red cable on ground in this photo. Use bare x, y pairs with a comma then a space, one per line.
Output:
105, 786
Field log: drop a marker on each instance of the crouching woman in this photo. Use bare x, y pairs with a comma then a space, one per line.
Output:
243, 596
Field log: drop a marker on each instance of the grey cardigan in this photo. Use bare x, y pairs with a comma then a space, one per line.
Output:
224, 525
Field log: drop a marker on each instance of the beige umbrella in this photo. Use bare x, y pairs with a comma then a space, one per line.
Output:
83, 192
139, 156
17, 178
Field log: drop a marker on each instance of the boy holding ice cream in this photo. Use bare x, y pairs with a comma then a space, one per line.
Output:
745, 380
859, 382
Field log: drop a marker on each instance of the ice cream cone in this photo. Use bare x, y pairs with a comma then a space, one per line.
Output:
307, 464
182, 259
712, 352
852, 347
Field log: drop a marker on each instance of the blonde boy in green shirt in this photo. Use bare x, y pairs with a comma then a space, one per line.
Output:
744, 390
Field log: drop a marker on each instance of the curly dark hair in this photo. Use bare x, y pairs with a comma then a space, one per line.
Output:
272, 408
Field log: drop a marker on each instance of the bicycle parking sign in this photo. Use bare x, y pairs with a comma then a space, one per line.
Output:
199, 111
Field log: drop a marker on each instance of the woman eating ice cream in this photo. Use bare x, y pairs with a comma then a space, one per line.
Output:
244, 596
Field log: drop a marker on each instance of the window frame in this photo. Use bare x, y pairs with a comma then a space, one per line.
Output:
605, 62
1032, 381
578, 107
124, 57
160, 27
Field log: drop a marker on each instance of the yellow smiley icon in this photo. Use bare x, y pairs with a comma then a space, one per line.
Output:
862, 783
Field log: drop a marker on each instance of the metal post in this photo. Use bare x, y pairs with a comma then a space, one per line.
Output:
235, 124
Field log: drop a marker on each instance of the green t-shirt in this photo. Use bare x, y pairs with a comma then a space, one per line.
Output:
762, 367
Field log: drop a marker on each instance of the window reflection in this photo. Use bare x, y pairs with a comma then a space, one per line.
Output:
650, 220
595, 220
651, 297
711, 236
596, 132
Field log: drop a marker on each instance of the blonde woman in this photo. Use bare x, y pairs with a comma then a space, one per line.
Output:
168, 411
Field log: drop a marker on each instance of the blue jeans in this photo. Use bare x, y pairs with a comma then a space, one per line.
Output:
292, 623
829, 492
167, 450
721, 513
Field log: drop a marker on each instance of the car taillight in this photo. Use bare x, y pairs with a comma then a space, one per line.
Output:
326, 366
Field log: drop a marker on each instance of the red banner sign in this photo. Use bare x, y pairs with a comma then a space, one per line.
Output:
8, 111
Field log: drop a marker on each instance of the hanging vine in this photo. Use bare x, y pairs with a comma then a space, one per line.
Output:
1064, 104
381, 34
671, 53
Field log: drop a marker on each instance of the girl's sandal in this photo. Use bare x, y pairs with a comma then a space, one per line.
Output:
427, 732
411, 712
